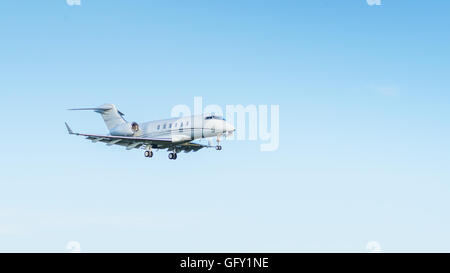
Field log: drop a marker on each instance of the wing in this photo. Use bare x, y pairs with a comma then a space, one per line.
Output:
190, 146
140, 142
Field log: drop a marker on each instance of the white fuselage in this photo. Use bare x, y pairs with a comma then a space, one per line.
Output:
181, 129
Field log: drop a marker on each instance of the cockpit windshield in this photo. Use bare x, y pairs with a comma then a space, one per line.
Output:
214, 117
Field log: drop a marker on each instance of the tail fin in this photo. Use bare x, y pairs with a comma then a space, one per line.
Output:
110, 115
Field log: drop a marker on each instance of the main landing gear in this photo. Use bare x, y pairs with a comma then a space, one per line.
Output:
148, 151
173, 156
148, 154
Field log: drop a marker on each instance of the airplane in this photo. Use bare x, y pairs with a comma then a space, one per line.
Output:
174, 135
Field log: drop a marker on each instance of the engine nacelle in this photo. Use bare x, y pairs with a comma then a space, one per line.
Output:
126, 129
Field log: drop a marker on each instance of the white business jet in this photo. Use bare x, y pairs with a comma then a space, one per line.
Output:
175, 134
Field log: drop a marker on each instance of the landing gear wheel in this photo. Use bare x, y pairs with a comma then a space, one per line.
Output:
172, 156
148, 154
218, 147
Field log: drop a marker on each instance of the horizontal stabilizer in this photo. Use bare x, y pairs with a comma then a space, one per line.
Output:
99, 109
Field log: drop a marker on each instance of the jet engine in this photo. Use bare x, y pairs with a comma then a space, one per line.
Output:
125, 129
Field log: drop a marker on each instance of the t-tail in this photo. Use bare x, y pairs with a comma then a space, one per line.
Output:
112, 117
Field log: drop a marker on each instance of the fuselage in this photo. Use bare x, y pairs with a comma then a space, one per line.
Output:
181, 129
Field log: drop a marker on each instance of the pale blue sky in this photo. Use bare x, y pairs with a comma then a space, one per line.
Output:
364, 125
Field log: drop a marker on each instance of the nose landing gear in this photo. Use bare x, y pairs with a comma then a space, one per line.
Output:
218, 147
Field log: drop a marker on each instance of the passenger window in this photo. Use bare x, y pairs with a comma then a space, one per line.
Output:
159, 126
170, 125
181, 125
175, 125
187, 123
164, 126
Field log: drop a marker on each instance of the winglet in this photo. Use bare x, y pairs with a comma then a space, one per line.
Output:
68, 129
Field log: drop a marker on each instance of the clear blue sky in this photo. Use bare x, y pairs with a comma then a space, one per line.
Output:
364, 137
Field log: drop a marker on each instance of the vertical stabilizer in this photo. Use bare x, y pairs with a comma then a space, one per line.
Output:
110, 115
